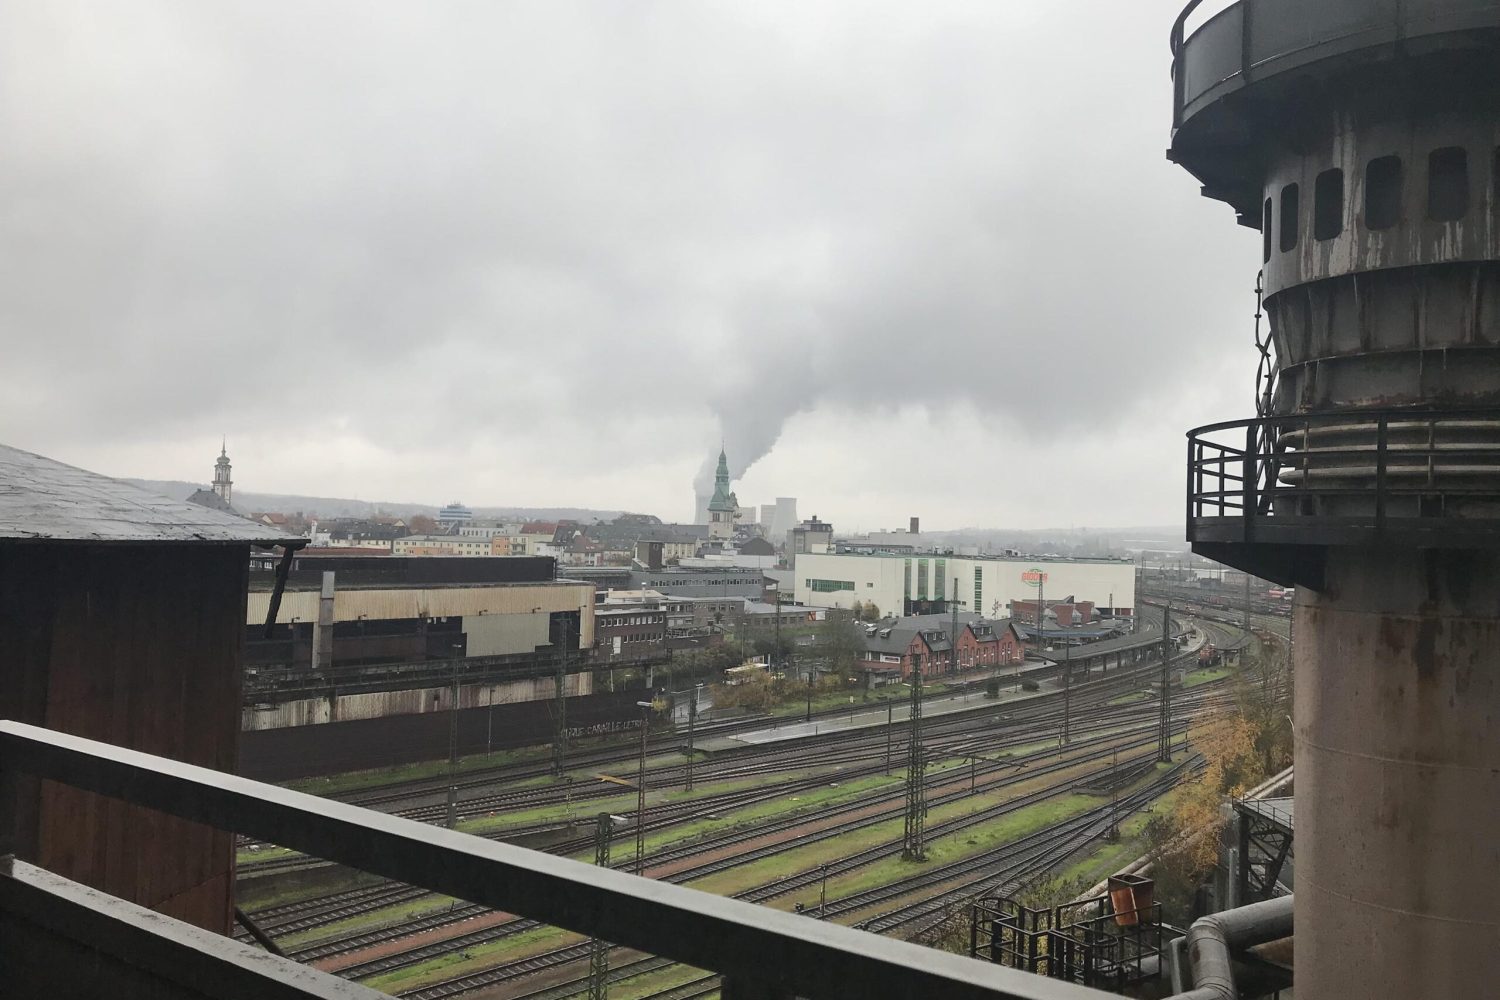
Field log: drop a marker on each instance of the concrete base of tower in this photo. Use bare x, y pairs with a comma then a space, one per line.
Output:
1398, 776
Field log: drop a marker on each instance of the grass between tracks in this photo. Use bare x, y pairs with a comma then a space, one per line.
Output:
652, 983
351, 781
1107, 858
770, 869
1198, 677
724, 883
587, 806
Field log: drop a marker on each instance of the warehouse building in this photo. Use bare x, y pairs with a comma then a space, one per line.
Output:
915, 584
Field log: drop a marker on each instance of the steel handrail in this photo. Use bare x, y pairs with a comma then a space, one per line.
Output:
762, 952
1289, 457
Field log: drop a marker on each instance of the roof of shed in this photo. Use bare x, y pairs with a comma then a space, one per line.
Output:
43, 500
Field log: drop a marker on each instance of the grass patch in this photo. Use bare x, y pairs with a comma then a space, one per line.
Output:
351, 781
809, 799
888, 831
651, 983
974, 840
1205, 676
247, 856
1129, 699
624, 801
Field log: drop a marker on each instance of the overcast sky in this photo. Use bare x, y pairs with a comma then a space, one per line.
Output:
902, 258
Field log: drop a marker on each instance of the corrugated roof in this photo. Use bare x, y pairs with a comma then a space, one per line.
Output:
43, 500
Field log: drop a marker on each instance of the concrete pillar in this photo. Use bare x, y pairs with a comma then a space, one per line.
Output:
1397, 667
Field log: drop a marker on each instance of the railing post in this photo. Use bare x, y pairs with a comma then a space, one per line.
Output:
1381, 433
1189, 486
1305, 504
1247, 483
10, 811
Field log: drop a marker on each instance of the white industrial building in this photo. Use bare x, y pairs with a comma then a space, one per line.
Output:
905, 584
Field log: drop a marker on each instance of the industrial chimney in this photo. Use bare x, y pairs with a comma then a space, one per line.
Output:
1360, 138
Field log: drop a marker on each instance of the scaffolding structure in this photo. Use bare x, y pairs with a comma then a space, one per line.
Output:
1111, 942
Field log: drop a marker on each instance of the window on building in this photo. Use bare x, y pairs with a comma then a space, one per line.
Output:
1382, 192
907, 592
1328, 204
1447, 184
830, 586
1290, 215
1265, 233
922, 579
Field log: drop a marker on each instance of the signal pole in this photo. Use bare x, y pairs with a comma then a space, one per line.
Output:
777, 663
889, 726
916, 804
452, 811
1041, 610
1247, 602
692, 717
1114, 795
953, 635
599, 953
1067, 690
560, 712
640, 792
1165, 751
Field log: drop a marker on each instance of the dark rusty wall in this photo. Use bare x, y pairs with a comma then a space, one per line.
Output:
139, 646
332, 747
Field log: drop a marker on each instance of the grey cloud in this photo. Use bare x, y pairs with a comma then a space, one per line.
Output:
410, 219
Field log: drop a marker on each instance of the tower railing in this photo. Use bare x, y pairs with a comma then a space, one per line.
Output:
1352, 477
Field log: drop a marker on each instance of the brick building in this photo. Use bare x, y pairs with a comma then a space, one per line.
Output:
629, 634
982, 643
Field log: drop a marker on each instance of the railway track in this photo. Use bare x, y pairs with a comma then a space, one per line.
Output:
296, 916
792, 883
841, 745
469, 911
408, 789
1009, 864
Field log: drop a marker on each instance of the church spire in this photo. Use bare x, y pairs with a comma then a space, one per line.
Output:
223, 484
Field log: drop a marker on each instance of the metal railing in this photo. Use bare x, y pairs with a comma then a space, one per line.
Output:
760, 952
1347, 478
1252, 40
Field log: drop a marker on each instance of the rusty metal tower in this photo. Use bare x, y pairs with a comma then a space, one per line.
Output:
1362, 139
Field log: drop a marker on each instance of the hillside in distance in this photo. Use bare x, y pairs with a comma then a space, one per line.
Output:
327, 507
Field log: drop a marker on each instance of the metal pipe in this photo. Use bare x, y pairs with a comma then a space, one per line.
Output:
1212, 940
